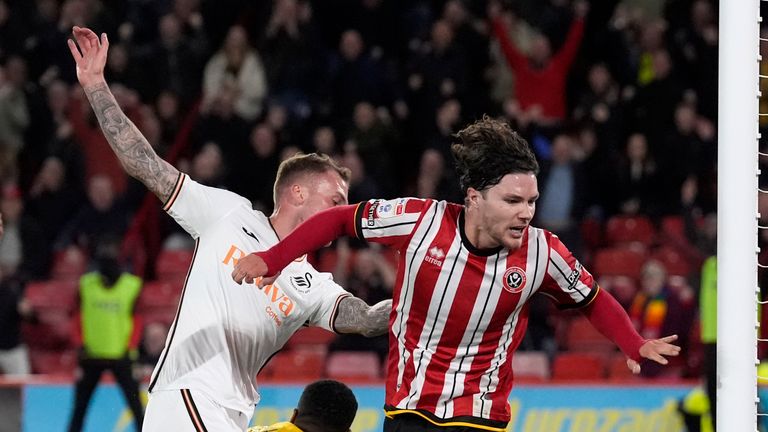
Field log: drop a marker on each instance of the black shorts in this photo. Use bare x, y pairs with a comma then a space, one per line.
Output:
415, 423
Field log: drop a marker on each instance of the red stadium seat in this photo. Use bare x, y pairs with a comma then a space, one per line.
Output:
161, 295
673, 227
352, 365
674, 261
53, 362
627, 230
592, 233
310, 337
619, 262
578, 366
581, 336
52, 330
53, 294
530, 366
69, 264
173, 265
298, 365
618, 369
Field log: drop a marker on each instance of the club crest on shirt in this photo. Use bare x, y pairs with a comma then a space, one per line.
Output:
303, 283
514, 280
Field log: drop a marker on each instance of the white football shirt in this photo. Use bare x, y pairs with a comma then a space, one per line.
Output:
223, 332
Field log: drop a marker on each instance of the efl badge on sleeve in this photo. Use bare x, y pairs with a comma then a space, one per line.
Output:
514, 280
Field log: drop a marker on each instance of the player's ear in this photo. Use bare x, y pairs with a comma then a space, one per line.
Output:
473, 196
298, 194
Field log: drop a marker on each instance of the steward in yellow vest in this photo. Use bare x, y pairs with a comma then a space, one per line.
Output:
109, 332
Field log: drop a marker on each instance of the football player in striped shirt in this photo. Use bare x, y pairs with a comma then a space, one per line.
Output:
223, 334
465, 275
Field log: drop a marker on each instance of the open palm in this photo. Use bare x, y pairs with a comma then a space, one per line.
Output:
91, 56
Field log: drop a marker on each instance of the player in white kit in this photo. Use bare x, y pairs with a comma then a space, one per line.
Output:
224, 333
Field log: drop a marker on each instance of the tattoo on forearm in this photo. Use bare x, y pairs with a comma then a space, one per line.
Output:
132, 149
355, 316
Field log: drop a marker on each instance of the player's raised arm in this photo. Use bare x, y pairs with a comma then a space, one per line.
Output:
355, 316
133, 150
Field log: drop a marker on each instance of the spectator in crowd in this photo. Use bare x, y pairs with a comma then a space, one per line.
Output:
540, 78
324, 406
253, 171
14, 357
14, 114
52, 201
638, 181
150, 348
561, 206
108, 331
659, 308
23, 249
103, 215
237, 69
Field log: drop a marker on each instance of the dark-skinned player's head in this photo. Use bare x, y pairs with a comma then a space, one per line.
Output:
325, 406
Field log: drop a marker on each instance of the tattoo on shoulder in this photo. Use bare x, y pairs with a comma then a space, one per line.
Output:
133, 150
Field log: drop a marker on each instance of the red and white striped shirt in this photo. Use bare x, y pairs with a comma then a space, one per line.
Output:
459, 313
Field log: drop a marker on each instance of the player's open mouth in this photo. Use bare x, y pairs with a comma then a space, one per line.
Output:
517, 231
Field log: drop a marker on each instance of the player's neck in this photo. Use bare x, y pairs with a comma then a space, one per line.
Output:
475, 234
282, 223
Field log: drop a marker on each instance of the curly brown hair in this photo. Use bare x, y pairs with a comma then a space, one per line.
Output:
489, 149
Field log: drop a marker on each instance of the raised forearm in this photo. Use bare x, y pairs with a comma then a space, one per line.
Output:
131, 148
355, 316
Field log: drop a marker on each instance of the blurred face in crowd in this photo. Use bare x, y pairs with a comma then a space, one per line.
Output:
207, 164
432, 164
454, 13
167, 105
541, 50
365, 264
662, 65
442, 35
263, 141
170, 31
504, 210
351, 46
324, 140
100, 193
356, 168
236, 45
11, 205
16, 71
653, 277
58, 96
685, 118
364, 116
52, 174
637, 147
562, 149
599, 78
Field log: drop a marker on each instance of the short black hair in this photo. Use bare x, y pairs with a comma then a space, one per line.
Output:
326, 406
487, 150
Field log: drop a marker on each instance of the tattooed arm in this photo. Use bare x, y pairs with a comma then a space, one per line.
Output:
355, 316
134, 152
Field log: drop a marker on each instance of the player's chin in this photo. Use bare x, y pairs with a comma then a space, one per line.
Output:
512, 243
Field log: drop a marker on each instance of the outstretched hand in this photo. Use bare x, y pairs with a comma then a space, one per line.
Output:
656, 350
91, 57
249, 268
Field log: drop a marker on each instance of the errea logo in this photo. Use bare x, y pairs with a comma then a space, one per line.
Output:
435, 256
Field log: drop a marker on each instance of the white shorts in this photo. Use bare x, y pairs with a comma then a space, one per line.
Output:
190, 410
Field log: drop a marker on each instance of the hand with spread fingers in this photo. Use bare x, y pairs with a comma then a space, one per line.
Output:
249, 268
655, 349
91, 57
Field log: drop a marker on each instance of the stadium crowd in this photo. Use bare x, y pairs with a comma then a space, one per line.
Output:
618, 100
